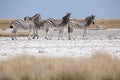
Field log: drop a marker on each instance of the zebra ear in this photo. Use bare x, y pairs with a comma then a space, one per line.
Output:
93, 16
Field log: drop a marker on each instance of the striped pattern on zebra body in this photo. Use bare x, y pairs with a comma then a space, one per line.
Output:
26, 24
84, 24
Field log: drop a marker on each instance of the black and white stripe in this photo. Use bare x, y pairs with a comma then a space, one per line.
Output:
26, 24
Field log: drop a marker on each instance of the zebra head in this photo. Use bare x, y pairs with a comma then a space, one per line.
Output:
68, 14
36, 18
90, 20
93, 19
66, 18
27, 18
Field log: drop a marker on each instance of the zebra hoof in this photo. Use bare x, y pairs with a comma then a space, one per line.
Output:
69, 38
29, 39
33, 38
46, 38
37, 37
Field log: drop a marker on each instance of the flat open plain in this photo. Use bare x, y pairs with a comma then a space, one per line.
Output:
106, 40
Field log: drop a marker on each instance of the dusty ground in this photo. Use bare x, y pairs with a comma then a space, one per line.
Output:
96, 40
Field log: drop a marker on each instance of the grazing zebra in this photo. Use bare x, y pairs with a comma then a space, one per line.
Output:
60, 25
38, 23
26, 24
42, 24
84, 24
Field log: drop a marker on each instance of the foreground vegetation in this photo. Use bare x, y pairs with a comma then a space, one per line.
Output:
97, 67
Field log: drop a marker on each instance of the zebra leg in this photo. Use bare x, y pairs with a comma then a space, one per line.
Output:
14, 34
34, 34
69, 36
29, 34
37, 34
62, 32
84, 34
59, 33
15, 37
46, 37
69, 33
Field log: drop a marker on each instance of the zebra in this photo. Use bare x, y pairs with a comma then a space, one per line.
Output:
64, 22
60, 25
50, 23
42, 24
84, 24
47, 24
26, 24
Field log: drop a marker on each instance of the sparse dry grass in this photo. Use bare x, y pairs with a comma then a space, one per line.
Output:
4, 23
98, 67
7, 33
109, 23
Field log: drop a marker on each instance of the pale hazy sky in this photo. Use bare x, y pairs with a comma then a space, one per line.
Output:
58, 8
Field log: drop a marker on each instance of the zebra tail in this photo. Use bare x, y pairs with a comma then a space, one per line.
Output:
11, 26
